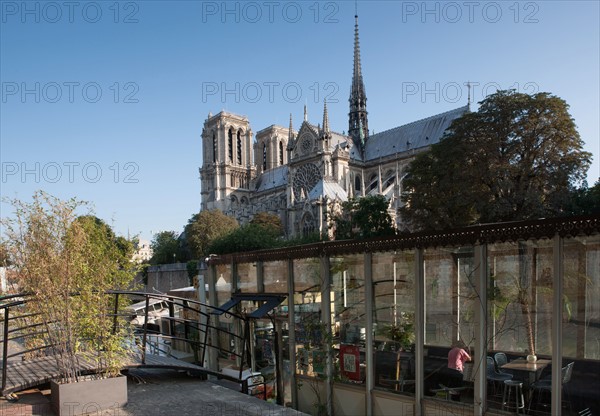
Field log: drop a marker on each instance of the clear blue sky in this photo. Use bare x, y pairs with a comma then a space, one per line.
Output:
124, 87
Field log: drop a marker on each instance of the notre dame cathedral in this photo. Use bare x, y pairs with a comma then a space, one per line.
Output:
303, 176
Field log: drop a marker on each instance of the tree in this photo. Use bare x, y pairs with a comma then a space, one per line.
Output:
165, 247
205, 227
518, 157
66, 263
248, 237
106, 241
4, 258
266, 220
585, 201
364, 218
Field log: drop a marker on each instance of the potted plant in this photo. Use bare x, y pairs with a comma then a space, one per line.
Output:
402, 332
67, 263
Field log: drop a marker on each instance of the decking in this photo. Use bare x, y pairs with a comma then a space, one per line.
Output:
25, 374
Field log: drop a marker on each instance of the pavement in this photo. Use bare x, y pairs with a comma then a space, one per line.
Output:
160, 392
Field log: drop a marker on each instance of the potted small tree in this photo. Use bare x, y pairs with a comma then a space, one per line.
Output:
402, 332
67, 263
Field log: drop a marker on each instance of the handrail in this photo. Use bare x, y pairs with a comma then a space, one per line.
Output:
19, 325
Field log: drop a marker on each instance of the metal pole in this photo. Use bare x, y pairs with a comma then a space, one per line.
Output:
420, 329
292, 333
278, 360
145, 329
5, 350
213, 360
557, 316
326, 320
369, 351
480, 354
116, 310
203, 320
205, 341
171, 318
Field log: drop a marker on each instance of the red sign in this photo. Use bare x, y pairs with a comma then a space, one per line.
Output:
349, 361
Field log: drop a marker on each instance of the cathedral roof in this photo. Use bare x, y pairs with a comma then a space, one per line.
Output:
410, 136
272, 178
328, 188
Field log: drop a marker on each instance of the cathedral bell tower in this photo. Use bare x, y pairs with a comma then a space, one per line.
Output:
358, 126
227, 167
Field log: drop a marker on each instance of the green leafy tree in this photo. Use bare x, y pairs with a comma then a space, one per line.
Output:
67, 263
585, 201
248, 237
107, 242
266, 220
205, 227
165, 248
518, 157
364, 218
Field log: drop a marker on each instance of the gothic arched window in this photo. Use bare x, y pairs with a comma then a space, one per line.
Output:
214, 147
239, 147
230, 145
308, 224
281, 153
357, 183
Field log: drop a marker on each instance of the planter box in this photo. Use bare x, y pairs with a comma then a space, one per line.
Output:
88, 396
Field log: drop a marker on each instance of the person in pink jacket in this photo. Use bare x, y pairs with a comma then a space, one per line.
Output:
458, 356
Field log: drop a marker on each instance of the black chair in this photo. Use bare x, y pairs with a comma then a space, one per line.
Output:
543, 386
500, 359
494, 376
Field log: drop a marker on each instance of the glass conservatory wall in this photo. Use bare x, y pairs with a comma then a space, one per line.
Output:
348, 311
393, 320
520, 309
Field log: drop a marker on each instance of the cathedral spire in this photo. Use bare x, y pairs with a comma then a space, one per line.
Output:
357, 118
305, 113
291, 130
325, 119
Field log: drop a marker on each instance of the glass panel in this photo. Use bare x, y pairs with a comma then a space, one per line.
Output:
519, 320
394, 314
348, 310
227, 342
310, 358
265, 355
275, 276
246, 277
581, 325
450, 302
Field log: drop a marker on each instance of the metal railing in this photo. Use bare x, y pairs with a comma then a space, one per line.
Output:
25, 338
